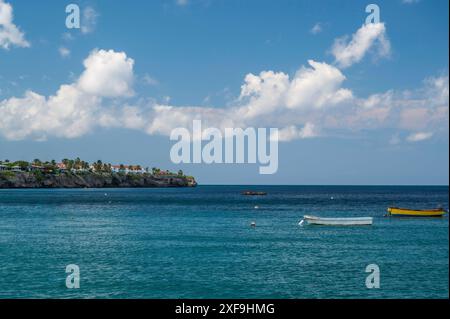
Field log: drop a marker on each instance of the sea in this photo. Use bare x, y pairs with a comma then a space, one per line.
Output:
200, 243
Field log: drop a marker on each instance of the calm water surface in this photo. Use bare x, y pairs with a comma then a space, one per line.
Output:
197, 243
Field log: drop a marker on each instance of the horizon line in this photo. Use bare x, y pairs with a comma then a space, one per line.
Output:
405, 185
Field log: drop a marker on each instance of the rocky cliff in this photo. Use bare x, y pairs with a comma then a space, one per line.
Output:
10, 179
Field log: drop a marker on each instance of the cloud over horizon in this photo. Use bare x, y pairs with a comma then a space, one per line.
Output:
310, 103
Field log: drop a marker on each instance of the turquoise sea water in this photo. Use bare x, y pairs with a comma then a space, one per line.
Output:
198, 243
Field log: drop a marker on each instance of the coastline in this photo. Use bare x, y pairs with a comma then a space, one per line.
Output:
18, 180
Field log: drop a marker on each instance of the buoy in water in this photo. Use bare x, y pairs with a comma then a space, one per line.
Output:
253, 224
256, 207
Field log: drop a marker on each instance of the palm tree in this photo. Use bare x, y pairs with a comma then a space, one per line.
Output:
180, 173
37, 162
107, 167
77, 163
98, 165
70, 165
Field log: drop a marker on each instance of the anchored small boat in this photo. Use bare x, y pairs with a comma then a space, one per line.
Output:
396, 211
352, 221
253, 193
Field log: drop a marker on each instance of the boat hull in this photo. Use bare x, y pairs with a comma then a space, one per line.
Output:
357, 221
395, 211
251, 193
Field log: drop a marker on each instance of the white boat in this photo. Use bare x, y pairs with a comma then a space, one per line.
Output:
352, 221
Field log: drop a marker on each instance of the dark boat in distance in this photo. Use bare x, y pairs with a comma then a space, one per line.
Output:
253, 193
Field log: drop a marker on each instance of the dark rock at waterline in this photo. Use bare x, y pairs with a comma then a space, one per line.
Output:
90, 180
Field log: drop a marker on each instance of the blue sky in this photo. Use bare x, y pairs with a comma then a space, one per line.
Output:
375, 104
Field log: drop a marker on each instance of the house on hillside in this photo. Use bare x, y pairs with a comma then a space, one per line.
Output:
35, 168
126, 169
118, 169
136, 169
61, 167
165, 173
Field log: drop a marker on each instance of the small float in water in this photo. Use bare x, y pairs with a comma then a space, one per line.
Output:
351, 221
253, 193
396, 211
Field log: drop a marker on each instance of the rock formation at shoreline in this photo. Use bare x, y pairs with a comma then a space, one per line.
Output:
91, 180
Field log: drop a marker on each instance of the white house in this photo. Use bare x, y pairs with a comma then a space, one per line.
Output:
34, 168
127, 169
16, 168
116, 169
62, 167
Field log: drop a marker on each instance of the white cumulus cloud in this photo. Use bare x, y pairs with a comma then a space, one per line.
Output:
370, 36
75, 108
309, 103
317, 86
420, 136
107, 74
290, 133
10, 34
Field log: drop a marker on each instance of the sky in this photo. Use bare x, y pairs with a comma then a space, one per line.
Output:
355, 103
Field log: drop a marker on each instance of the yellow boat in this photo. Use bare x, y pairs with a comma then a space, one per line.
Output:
396, 211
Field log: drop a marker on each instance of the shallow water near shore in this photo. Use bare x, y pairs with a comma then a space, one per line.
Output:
198, 243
